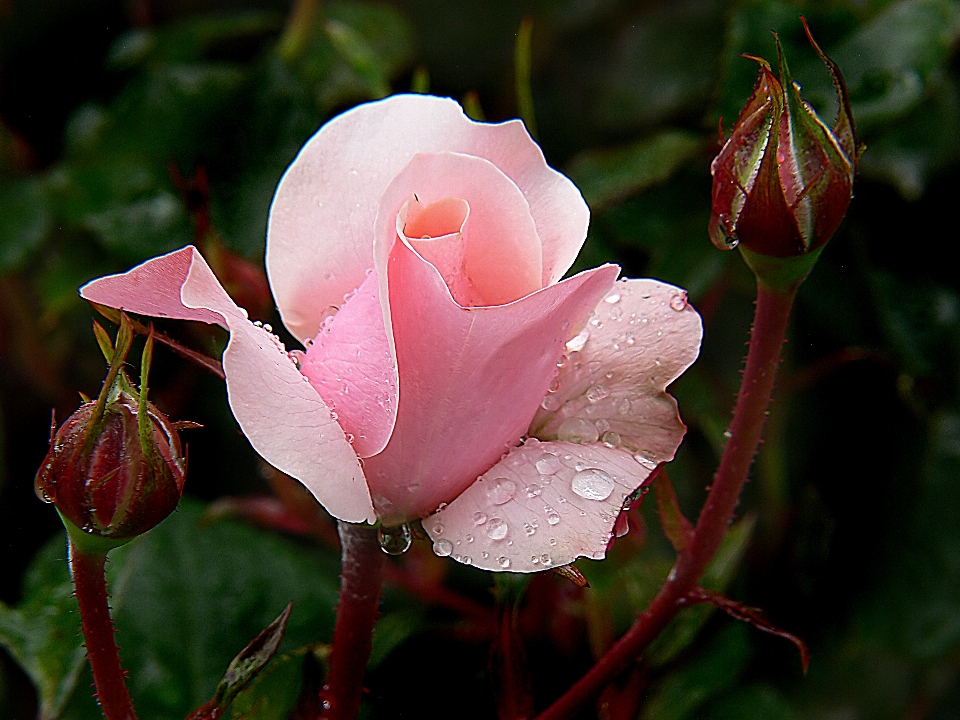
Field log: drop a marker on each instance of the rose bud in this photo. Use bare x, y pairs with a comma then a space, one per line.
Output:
115, 468
783, 181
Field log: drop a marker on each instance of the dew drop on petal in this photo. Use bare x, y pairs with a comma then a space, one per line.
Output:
624, 407
597, 393
576, 343
545, 559
533, 490
502, 491
679, 302
593, 484
645, 461
549, 464
553, 517
611, 438
466, 559
529, 529
479, 518
613, 298
442, 547
503, 562
577, 430
496, 529
550, 403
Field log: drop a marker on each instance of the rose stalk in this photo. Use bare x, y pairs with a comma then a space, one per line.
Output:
782, 184
114, 470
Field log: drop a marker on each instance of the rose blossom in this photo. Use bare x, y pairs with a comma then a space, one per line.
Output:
418, 256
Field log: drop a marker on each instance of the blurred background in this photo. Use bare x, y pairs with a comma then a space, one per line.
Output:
129, 128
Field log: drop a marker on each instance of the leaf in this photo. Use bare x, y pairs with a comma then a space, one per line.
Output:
42, 633
716, 667
25, 220
274, 692
606, 176
753, 702
674, 523
684, 629
186, 597
245, 667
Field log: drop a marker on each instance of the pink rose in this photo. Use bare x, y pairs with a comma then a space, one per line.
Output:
448, 373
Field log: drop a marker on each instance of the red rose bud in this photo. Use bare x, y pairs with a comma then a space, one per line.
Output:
115, 468
783, 181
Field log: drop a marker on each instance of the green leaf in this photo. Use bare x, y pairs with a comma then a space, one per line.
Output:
684, 629
754, 702
273, 694
42, 633
25, 220
716, 667
185, 598
607, 176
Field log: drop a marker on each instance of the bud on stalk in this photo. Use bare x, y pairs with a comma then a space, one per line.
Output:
783, 181
115, 468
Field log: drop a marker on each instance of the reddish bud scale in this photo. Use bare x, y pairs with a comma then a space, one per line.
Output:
106, 481
783, 181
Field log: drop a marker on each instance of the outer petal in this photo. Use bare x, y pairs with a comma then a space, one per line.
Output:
279, 412
319, 242
543, 505
612, 383
470, 379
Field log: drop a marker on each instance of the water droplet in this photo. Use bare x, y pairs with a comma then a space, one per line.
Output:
496, 529
562, 361
611, 438
395, 540
553, 541
553, 517
613, 298
550, 403
616, 313
437, 529
554, 386
503, 562
466, 559
529, 529
577, 430
502, 491
624, 407
679, 302
549, 464
334, 416
442, 547
535, 559
469, 538
727, 434
576, 343
597, 393
593, 484
484, 554
598, 555
602, 425
645, 461
533, 490
268, 327
479, 518
545, 559
350, 440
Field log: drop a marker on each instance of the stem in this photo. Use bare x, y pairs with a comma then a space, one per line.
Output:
749, 415
87, 569
360, 583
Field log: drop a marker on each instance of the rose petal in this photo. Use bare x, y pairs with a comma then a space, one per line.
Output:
350, 366
612, 384
279, 412
470, 379
541, 506
502, 260
318, 240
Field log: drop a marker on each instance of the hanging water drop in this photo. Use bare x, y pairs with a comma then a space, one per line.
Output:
395, 540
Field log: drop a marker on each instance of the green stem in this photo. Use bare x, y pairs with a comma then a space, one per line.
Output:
87, 569
750, 413
360, 582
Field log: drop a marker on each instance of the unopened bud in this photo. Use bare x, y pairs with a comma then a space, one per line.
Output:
783, 181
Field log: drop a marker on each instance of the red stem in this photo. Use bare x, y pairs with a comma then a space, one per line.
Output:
98, 633
360, 583
750, 413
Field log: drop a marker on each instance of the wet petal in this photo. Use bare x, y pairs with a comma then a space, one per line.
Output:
470, 379
318, 240
350, 365
612, 384
541, 506
278, 410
